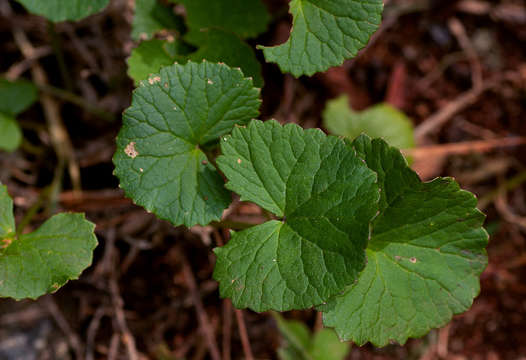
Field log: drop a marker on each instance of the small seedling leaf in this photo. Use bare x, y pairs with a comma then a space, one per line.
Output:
324, 34
16, 96
212, 45
300, 344
246, 18
42, 261
151, 17
10, 133
151, 55
174, 114
219, 46
326, 196
425, 256
379, 121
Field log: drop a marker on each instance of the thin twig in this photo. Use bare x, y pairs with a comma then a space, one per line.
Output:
438, 119
127, 337
92, 331
17, 69
463, 147
60, 320
56, 44
76, 100
443, 342
204, 321
245, 342
510, 184
456, 27
59, 135
227, 329
501, 203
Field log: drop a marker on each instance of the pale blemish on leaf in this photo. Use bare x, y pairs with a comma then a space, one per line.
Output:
154, 80
6, 242
130, 150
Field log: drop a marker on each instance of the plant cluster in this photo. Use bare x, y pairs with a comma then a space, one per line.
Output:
351, 231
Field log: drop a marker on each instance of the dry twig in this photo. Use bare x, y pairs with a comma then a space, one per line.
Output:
71, 336
463, 147
204, 321
59, 135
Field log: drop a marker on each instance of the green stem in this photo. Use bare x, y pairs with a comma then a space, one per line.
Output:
77, 100
32, 211
511, 184
229, 224
56, 44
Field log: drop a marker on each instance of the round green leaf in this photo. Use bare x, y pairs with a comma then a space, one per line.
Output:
10, 133
159, 160
16, 96
44, 260
379, 121
324, 34
425, 256
326, 196
62, 10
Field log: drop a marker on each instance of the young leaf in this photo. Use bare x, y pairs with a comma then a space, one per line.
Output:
220, 46
151, 17
159, 159
10, 133
151, 55
326, 196
301, 345
62, 10
213, 46
379, 121
42, 261
246, 18
16, 96
425, 256
324, 34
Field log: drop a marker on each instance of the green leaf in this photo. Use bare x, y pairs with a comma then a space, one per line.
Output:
7, 219
159, 158
220, 46
213, 46
62, 10
425, 256
325, 33
151, 17
10, 133
379, 121
44, 260
326, 196
301, 345
151, 55
327, 346
16, 96
246, 18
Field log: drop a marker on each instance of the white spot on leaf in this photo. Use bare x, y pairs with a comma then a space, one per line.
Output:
130, 150
154, 80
